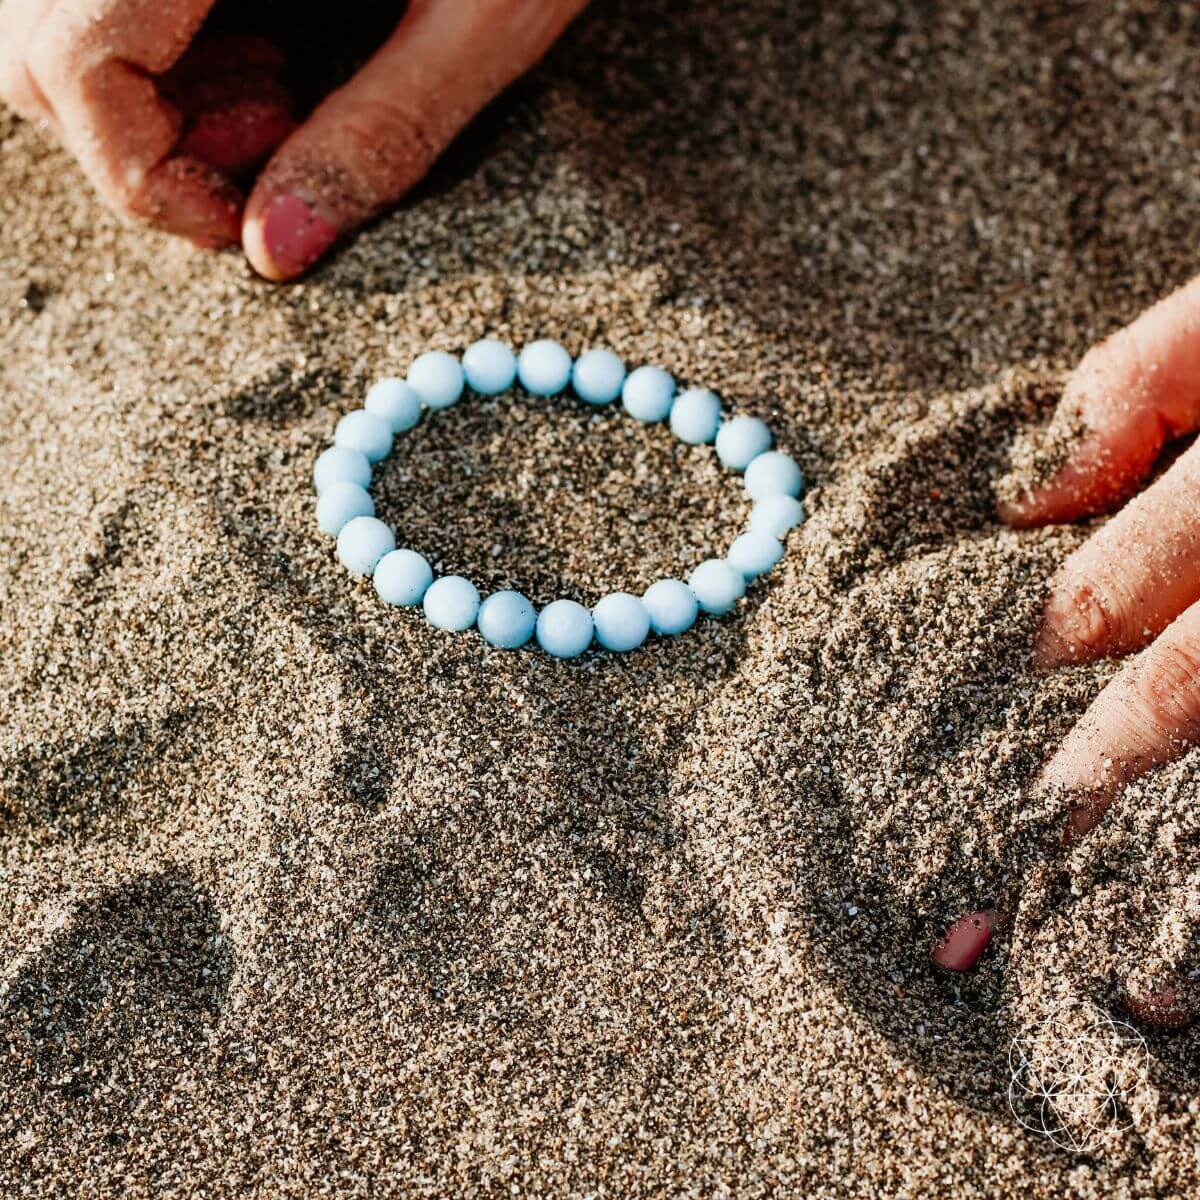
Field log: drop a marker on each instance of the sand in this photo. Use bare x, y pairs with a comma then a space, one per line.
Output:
300, 897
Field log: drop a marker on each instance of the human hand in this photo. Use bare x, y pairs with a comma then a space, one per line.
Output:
162, 120
1134, 583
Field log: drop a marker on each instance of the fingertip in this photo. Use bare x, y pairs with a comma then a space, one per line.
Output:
1092, 470
187, 197
1166, 1004
1091, 484
283, 235
963, 943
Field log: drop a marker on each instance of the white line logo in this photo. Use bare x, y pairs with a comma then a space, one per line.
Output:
1078, 1077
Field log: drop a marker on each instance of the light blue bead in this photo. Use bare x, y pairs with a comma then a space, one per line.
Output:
340, 465
437, 377
597, 376
741, 441
506, 620
773, 474
403, 577
490, 367
754, 554
621, 621
695, 416
717, 586
339, 504
365, 432
648, 393
672, 606
564, 629
776, 515
393, 401
544, 368
451, 602
362, 543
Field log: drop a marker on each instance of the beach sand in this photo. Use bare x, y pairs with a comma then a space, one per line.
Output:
300, 897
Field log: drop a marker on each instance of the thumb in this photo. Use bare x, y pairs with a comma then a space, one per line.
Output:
372, 140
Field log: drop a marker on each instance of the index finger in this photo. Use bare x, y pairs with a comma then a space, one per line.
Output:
1126, 397
96, 61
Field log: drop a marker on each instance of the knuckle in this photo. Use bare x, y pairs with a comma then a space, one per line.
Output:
378, 148
384, 131
1168, 685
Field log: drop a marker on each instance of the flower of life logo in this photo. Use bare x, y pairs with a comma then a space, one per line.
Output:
1078, 1076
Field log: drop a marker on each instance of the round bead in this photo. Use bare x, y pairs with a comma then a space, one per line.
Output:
544, 368
695, 416
776, 515
564, 629
339, 504
437, 377
365, 432
597, 376
340, 465
393, 401
773, 474
403, 577
490, 367
648, 393
672, 606
754, 554
451, 602
362, 543
506, 620
741, 441
621, 621
717, 586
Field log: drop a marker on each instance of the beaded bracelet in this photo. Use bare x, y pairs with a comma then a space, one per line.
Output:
507, 619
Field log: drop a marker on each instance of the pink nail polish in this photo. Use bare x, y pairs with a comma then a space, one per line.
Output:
294, 234
959, 948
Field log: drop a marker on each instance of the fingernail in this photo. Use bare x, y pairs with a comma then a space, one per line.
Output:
1165, 1004
959, 948
294, 234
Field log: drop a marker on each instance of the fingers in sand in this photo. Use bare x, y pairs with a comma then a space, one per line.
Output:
1133, 577
1149, 714
93, 71
369, 142
1127, 396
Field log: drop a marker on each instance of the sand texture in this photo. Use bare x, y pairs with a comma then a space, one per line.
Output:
299, 897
